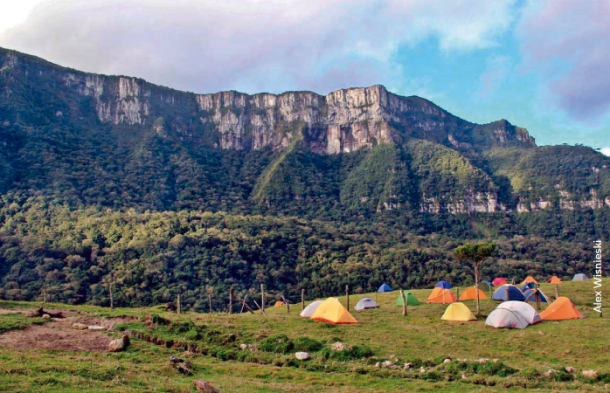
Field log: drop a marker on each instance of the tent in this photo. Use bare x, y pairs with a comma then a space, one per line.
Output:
529, 292
471, 294
279, 304
529, 280
499, 281
528, 312
458, 312
385, 288
440, 295
332, 311
443, 284
527, 286
505, 318
366, 303
554, 280
411, 300
561, 309
309, 310
580, 277
508, 292
485, 285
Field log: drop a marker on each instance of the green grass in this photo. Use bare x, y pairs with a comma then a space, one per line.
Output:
421, 336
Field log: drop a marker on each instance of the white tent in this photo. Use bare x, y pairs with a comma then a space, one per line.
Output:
309, 310
366, 303
580, 277
527, 312
505, 318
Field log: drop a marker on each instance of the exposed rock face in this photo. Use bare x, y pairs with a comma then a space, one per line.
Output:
473, 202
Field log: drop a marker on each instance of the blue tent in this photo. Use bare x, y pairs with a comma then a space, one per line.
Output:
508, 292
533, 298
443, 284
385, 288
527, 286
487, 282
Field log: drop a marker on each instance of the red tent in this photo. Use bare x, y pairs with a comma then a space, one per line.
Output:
499, 281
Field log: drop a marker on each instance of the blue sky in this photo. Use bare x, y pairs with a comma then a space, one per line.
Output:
541, 64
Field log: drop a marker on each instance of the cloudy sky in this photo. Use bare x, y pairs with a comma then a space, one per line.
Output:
541, 64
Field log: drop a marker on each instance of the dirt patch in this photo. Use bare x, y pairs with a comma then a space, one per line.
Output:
58, 334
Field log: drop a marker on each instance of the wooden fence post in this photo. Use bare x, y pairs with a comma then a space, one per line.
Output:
178, 305
263, 298
243, 304
286, 303
556, 291
404, 303
458, 293
347, 295
302, 299
537, 295
231, 300
111, 297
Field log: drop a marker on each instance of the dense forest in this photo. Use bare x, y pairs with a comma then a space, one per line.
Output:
155, 207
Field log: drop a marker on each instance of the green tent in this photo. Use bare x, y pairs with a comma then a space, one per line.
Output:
486, 286
411, 300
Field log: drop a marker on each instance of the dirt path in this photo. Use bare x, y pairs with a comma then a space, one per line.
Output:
58, 334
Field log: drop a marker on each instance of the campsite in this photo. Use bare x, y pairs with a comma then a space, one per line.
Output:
372, 356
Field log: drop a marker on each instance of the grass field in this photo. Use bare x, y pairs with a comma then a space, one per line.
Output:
421, 338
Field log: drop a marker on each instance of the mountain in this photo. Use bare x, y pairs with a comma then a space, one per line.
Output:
114, 178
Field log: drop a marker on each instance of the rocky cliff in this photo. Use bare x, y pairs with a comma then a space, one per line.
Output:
340, 122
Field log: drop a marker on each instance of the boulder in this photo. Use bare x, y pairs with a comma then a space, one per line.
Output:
570, 369
204, 386
79, 326
120, 344
591, 374
302, 355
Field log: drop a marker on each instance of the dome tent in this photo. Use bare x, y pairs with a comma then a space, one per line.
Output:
310, 309
411, 300
560, 310
471, 294
485, 285
529, 280
508, 292
580, 277
531, 297
502, 318
332, 311
365, 303
528, 312
458, 312
440, 295
499, 281
385, 288
555, 280
443, 284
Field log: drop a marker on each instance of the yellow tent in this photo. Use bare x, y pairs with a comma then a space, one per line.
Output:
471, 294
554, 280
528, 280
330, 310
440, 295
458, 312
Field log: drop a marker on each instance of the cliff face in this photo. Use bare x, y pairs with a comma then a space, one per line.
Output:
340, 122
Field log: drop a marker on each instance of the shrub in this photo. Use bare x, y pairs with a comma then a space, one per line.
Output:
352, 352
277, 344
305, 344
529, 373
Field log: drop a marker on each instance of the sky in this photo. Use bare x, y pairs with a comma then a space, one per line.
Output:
541, 64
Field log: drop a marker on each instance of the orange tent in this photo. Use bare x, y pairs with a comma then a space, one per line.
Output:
561, 309
529, 279
471, 294
279, 304
554, 280
330, 310
440, 295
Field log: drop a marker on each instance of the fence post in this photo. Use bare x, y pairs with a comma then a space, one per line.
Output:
263, 298
302, 299
286, 303
178, 305
404, 303
347, 295
111, 297
231, 300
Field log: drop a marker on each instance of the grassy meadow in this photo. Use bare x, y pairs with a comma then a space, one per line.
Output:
420, 338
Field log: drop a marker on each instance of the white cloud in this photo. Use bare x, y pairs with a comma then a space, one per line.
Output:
496, 70
606, 151
273, 45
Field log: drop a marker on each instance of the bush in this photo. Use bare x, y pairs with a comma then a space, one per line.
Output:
304, 344
277, 344
352, 352
529, 373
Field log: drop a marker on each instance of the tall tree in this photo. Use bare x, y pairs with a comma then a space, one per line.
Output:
476, 254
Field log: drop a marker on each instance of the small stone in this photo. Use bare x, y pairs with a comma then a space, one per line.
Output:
378, 365
175, 359
46, 316
252, 347
79, 326
117, 367
408, 365
548, 373
338, 346
243, 347
204, 386
570, 369
496, 360
463, 376
96, 327
483, 360
447, 361
387, 363
119, 344
591, 374
302, 355
422, 370
567, 351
